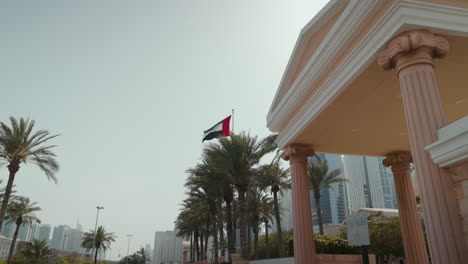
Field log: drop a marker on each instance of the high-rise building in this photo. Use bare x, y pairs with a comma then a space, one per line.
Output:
8, 229
24, 232
333, 201
167, 248
370, 184
34, 233
60, 237
74, 239
149, 251
285, 205
44, 233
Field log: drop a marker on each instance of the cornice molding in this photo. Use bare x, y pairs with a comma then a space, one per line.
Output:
309, 30
401, 16
452, 147
354, 16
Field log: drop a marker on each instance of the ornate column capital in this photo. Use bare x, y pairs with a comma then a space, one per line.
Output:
297, 152
398, 160
413, 47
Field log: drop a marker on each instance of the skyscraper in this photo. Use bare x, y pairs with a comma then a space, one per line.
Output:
44, 233
8, 229
167, 247
74, 241
285, 205
333, 201
60, 237
24, 232
34, 232
149, 251
370, 183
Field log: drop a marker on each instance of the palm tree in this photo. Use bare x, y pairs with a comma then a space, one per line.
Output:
185, 225
277, 179
20, 211
236, 156
37, 252
228, 196
144, 255
267, 214
207, 183
258, 213
320, 178
193, 220
18, 144
102, 241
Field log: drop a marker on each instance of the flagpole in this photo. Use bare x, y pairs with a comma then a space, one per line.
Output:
232, 117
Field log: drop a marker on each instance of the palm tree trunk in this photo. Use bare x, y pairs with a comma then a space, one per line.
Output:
243, 223
95, 255
249, 238
202, 246
215, 236
197, 248
206, 240
12, 169
235, 224
220, 225
319, 210
230, 229
267, 245
278, 225
255, 228
191, 247
13, 242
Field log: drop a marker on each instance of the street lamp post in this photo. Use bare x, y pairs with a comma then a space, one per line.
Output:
128, 248
95, 229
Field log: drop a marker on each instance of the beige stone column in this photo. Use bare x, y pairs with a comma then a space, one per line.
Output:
412, 54
303, 233
413, 237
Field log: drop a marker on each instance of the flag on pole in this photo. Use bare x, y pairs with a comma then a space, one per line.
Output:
221, 129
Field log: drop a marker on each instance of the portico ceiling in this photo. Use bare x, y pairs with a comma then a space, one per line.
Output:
350, 105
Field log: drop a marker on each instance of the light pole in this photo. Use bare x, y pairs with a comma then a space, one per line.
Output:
128, 248
95, 229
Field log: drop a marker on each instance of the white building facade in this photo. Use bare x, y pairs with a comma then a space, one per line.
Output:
370, 184
167, 248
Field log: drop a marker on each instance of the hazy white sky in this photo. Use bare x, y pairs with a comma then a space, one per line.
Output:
130, 86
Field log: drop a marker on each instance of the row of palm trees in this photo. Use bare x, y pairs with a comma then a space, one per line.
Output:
20, 144
230, 190
220, 195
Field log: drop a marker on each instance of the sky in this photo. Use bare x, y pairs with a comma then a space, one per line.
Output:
130, 86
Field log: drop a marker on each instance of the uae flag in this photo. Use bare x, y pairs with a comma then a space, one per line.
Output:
221, 129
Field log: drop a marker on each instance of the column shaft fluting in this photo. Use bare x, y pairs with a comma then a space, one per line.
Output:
304, 245
412, 55
410, 221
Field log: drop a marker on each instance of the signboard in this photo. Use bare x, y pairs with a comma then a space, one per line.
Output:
357, 229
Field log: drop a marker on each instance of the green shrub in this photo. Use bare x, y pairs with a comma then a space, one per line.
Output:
334, 245
273, 244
